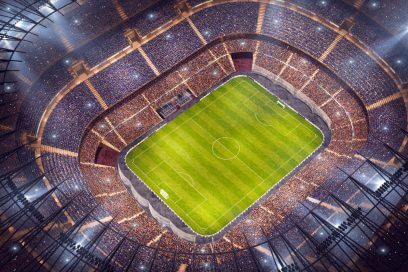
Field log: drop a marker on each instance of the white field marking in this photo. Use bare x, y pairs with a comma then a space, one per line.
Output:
233, 84
186, 214
191, 184
192, 220
189, 119
314, 151
152, 180
279, 110
175, 198
170, 199
292, 130
242, 84
283, 116
158, 98
176, 128
148, 172
250, 97
135, 165
262, 123
180, 173
332, 97
253, 171
192, 119
231, 221
233, 155
155, 167
257, 186
205, 199
199, 205
271, 125
263, 179
293, 118
311, 141
189, 178
257, 93
271, 108
282, 112
212, 136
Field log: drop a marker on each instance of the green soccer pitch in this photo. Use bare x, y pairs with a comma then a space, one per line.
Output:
213, 161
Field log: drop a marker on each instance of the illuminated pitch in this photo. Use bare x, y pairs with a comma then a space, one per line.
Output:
213, 161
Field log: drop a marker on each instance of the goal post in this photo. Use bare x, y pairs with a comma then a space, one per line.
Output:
281, 104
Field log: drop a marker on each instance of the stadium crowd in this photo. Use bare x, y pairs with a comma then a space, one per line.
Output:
342, 85
129, 119
342, 108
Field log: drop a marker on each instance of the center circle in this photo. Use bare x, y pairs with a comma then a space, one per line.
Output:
225, 148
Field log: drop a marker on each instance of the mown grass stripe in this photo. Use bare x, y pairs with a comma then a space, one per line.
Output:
279, 146
229, 186
236, 174
253, 151
214, 172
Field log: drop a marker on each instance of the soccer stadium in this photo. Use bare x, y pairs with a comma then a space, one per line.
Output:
204, 135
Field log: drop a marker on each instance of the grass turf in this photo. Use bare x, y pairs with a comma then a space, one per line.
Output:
218, 157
